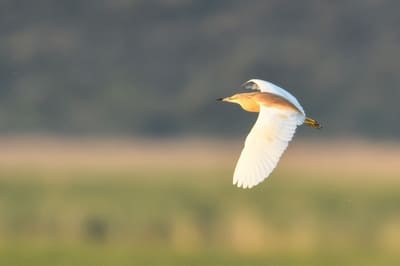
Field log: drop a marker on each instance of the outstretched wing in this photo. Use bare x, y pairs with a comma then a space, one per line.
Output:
264, 145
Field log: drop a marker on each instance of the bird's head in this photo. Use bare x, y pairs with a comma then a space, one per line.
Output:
244, 100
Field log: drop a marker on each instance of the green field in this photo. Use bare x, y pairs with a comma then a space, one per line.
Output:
194, 216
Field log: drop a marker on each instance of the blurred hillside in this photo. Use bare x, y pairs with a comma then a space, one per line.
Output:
155, 67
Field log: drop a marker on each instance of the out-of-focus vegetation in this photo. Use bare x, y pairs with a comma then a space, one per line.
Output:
154, 211
155, 67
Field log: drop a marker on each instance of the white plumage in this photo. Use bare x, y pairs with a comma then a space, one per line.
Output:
265, 145
279, 115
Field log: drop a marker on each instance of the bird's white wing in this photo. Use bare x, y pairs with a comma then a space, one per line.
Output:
264, 145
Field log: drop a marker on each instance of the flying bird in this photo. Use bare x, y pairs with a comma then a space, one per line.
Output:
279, 115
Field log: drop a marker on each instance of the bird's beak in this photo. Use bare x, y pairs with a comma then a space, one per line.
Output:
221, 99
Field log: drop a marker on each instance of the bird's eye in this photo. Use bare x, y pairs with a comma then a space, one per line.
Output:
251, 85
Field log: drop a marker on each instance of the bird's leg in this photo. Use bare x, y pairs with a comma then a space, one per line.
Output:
312, 123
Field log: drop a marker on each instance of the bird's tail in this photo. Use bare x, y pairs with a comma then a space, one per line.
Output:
312, 123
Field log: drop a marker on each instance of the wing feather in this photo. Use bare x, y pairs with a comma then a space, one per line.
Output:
264, 145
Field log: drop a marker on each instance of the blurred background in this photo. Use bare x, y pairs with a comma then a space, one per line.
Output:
113, 150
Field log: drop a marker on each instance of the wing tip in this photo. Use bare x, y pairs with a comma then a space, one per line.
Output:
245, 185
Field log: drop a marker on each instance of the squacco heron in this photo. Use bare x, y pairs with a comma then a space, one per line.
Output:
279, 115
